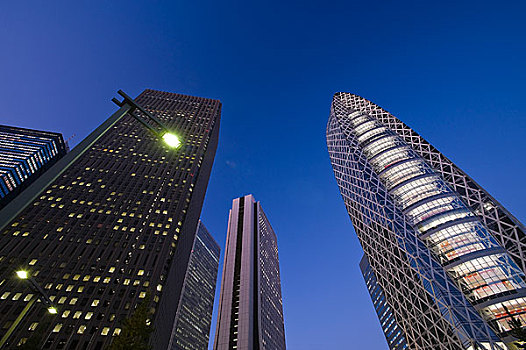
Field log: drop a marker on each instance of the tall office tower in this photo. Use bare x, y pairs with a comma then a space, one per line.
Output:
194, 314
112, 227
393, 334
448, 257
24, 155
250, 313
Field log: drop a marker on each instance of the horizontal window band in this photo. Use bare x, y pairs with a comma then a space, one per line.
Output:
518, 293
372, 159
448, 224
418, 177
474, 255
444, 214
430, 199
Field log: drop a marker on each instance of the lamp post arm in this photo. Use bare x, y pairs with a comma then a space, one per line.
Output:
41, 291
148, 126
17, 321
135, 105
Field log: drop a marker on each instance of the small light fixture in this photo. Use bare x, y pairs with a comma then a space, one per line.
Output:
52, 310
22, 274
172, 140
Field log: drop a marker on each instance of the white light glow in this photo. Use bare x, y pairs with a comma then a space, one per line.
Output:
172, 140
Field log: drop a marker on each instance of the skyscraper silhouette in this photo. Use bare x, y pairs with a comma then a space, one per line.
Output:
448, 257
250, 313
24, 155
194, 313
114, 225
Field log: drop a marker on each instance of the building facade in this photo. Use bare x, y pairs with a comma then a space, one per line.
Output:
114, 224
194, 314
449, 257
24, 155
250, 313
393, 334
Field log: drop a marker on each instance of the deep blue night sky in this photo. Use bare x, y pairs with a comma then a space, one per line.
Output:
454, 72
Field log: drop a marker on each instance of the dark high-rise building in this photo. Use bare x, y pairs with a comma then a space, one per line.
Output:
448, 257
24, 155
111, 225
393, 334
250, 313
194, 314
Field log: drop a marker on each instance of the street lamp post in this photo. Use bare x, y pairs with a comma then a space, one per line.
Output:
24, 275
128, 106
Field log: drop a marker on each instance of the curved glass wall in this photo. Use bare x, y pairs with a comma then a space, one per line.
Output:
470, 255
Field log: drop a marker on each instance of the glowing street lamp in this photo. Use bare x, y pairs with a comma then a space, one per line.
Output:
172, 140
151, 122
25, 275
22, 274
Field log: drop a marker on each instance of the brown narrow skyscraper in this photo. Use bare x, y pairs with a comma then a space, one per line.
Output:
250, 307
109, 226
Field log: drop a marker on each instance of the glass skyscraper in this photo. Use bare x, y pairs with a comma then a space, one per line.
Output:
194, 314
393, 334
250, 313
448, 257
24, 155
111, 225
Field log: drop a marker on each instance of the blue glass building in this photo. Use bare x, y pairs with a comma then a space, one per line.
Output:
24, 155
393, 333
194, 315
449, 258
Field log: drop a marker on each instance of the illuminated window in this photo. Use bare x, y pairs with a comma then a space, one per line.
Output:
105, 331
65, 314
81, 330
33, 326
77, 314
140, 273
57, 328
88, 315
95, 302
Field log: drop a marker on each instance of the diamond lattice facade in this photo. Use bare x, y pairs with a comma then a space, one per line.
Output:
449, 258
194, 314
250, 313
393, 334
115, 225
